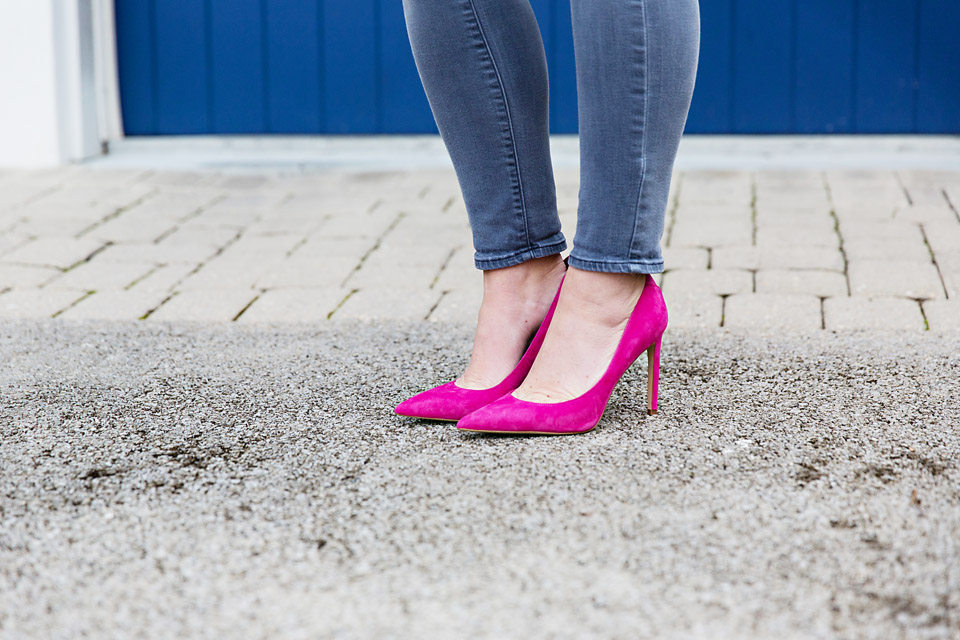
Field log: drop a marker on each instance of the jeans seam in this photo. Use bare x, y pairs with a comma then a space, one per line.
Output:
509, 121
643, 128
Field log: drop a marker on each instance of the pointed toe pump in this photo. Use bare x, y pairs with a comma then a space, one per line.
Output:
643, 333
450, 402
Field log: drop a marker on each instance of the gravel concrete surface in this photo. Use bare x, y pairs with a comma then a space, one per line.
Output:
176, 480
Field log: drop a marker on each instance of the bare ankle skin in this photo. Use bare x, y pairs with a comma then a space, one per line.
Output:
515, 301
590, 318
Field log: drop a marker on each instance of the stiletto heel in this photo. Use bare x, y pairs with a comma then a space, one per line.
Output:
643, 332
448, 402
653, 376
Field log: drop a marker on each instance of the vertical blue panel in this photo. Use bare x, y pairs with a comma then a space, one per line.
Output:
563, 73
183, 73
351, 53
886, 51
762, 65
294, 66
710, 111
824, 66
938, 67
404, 104
236, 43
136, 71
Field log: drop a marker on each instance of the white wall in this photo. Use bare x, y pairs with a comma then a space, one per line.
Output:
51, 98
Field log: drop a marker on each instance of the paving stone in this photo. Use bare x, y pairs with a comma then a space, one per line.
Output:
773, 312
716, 281
797, 236
876, 278
882, 230
133, 228
925, 213
760, 257
15, 276
944, 240
822, 221
705, 212
163, 253
189, 243
685, 258
308, 271
97, 276
866, 313
950, 272
115, 305
807, 281
460, 274
36, 303
53, 227
943, 315
320, 248
860, 212
294, 305
54, 252
405, 277
210, 305
164, 278
693, 310
710, 234
371, 304
460, 306
902, 249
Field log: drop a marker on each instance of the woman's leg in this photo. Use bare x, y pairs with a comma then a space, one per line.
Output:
636, 65
483, 67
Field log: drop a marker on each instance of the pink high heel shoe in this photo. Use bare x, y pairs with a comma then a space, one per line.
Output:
450, 403
644, 332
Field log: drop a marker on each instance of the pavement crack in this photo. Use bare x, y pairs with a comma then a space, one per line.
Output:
903, 188
376, 245
74, 303
435, 305
247, 306
162, 302
116, 213
753, 209
342, 302
953, 207
443, 267
933, 259
836, 230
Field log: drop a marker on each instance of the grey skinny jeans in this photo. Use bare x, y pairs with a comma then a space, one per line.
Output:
483, 67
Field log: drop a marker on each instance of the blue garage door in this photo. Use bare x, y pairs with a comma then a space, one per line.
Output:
344, 66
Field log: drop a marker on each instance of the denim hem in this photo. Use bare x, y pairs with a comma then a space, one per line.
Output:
487, 264
616, 266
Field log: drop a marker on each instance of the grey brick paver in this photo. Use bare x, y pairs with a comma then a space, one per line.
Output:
715, 233
60, 252
694, 310
16, 276
115, 305
294, 305
208, 305
685, 258
810, 281
371, 304
872, 278
715, 281
36, 303
943, 315
401, 239
797, 236
772, 312
748, 257
866, 313
96, 276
